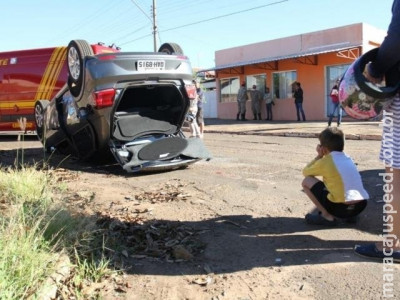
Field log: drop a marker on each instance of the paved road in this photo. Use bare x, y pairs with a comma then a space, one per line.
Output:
249, 200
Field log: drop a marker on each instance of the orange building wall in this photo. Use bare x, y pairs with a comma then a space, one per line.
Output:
312, 79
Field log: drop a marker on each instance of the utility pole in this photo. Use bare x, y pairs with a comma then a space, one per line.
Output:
154, 26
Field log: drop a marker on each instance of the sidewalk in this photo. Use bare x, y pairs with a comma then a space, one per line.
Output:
354, 130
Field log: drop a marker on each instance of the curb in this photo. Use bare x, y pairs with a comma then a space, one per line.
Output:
369, 137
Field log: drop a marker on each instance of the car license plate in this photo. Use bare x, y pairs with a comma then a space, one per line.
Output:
150, 65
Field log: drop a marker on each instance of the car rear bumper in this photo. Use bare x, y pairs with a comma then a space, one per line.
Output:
159, 152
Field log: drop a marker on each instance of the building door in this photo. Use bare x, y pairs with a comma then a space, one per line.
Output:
210, 105
333, 73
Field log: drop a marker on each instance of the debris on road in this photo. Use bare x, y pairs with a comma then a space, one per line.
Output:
170, 241
171, 191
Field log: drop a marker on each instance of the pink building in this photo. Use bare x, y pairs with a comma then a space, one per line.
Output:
315, 59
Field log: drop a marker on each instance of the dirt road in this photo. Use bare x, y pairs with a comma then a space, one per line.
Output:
241, 219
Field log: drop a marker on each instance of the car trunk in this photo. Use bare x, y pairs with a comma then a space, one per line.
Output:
147, 110
146, 129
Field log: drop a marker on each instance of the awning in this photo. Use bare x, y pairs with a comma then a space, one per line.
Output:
310, 52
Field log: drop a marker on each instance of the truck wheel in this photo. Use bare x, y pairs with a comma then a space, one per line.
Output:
76, 52
40, 106
170, 48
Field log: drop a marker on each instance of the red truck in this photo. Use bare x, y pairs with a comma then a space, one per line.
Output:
30, 75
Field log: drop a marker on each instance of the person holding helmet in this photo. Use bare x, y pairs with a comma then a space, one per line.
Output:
385, 66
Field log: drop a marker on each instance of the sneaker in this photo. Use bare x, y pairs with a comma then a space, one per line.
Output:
315, 211
370, 251
318, 219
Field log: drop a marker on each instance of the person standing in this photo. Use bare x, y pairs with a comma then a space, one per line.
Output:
256, 98
268, 103
298, 100
386, 61
200, 114
336, 105
191, 119
191, 115
341, 193
242, 97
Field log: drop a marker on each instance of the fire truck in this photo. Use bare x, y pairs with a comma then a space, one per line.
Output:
30, 75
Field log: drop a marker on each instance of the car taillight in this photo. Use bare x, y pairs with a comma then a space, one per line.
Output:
104, 98
191, 91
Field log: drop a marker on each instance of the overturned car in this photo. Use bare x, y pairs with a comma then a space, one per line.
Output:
132, 104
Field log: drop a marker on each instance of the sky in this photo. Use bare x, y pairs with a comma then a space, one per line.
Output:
200, 27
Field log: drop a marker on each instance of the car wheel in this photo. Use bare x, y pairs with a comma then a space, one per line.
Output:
40, 106
76, 52
170, 48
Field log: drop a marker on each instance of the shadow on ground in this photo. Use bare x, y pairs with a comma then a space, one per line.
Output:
224, 244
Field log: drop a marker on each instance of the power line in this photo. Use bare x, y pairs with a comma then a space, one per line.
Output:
139, 38
210, 19
223, 16
78, 26
179, 5
137, 5
120, 21
130, 33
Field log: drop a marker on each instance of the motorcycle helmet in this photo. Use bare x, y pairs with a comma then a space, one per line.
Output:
360, 98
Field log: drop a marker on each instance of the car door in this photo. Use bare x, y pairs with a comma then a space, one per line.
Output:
67, 128
74, 122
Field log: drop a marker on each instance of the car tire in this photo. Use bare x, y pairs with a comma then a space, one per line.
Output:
39, 108
170, 48
77, 50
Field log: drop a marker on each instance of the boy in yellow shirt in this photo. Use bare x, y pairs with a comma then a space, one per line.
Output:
340, 194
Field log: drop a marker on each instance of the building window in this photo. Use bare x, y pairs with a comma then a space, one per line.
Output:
258, 80
229, 88
282, 84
